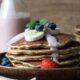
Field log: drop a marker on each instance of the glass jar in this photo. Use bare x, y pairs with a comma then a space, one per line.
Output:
12, 22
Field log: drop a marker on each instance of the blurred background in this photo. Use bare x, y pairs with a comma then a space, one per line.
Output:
65, 13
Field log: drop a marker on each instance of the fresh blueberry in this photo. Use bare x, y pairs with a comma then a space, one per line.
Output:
52, 26
39, 27
5, 61
0, 60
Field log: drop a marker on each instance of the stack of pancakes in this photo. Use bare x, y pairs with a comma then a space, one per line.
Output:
30, 54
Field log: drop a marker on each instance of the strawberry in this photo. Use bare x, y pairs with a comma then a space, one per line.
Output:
48, 63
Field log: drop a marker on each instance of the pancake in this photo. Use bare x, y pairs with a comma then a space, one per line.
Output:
36, 64
63, 39
24, 54
29, 65
68, 56
26, 47
23, 44
30, 52
27, 57
75, 60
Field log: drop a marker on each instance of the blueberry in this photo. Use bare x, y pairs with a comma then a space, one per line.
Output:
39, 27
0, 60
52, 26
5, 61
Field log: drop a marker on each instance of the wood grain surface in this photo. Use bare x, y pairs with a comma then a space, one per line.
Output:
65, 13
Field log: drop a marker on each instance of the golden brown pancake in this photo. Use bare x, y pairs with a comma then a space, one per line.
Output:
27, 57
31, 52
23, 44
40, 44
29, 65
23, 50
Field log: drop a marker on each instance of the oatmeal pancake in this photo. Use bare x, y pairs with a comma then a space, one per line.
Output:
27, 57
63, 39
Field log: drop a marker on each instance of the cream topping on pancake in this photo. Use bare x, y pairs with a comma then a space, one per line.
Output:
33, 35
52, 41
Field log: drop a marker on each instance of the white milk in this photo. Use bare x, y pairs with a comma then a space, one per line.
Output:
11, 23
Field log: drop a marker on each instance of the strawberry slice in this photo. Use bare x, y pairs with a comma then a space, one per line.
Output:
48, 63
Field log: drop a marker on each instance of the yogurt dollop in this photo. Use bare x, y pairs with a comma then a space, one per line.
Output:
33, 35
52, 41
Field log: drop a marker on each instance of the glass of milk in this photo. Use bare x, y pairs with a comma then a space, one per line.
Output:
11, 23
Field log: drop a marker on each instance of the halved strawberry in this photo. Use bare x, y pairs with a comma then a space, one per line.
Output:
48, 63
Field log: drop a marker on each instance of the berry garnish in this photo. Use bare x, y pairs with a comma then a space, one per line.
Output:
43, 21
39, 27
5, 62
48, 63
31, 25
52, 26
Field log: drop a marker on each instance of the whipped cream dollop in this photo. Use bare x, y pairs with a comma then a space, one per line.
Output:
54, 44
52, 41
33, 35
